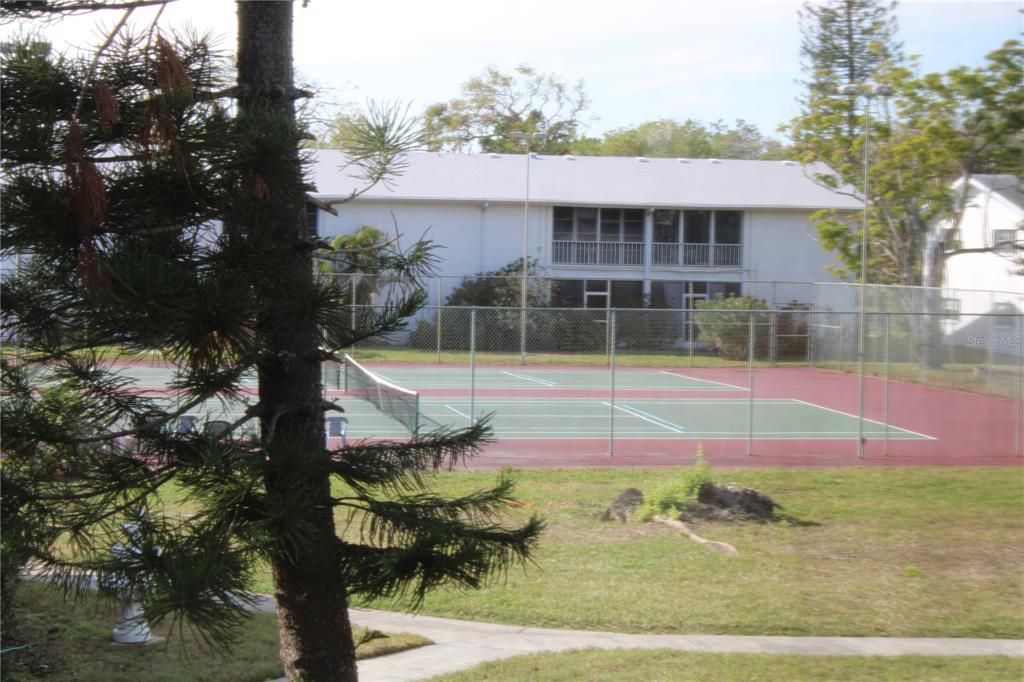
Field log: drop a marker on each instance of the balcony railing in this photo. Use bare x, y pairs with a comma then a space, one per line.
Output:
709, 255
597, 253
632, 253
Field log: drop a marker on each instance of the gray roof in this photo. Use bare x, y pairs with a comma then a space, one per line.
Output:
589, 180
1006, 186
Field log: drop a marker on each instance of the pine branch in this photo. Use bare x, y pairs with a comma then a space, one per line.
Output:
395, 467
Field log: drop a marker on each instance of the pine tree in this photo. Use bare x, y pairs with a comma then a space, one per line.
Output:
844, 42
160, 208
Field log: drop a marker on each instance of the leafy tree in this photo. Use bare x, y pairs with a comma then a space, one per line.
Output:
163, 209
493, 105
687, 139
501, 287
934, 129
356, 260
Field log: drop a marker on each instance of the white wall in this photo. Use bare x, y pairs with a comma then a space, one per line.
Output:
472, 237
777, 245
783, 246
991, 271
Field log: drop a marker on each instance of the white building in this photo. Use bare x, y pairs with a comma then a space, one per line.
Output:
611, 231
986, 278
993, 223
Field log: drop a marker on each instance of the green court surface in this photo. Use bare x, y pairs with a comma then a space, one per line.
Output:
593, 378
579, 418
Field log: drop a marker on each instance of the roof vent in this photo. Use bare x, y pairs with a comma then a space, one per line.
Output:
570, 157
495, 156
642, 159
790, 163
682, 160
714, 161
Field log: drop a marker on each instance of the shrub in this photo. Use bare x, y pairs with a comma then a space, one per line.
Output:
725, 323
674, 496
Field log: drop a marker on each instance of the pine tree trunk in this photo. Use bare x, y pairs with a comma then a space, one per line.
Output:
316, 637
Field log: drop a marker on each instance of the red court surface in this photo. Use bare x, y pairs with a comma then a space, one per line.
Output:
962, 428
966, 429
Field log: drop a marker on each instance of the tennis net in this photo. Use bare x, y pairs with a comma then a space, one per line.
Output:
396, 402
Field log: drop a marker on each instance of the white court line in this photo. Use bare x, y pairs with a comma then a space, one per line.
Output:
524, 377
461, 414
704, 381
657, 421
873, 421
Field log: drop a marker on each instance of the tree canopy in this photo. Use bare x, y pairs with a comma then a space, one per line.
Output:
687, 139
932, 129
493, 105
161, 210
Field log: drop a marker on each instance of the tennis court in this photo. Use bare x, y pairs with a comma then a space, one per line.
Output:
586, 418
563, 415
579, 404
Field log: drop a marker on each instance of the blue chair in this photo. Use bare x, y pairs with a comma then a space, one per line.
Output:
336, 427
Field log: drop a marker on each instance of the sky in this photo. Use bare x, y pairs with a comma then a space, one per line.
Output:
640, 60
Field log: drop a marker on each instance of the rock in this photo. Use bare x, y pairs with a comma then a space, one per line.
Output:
623, 505
737, 501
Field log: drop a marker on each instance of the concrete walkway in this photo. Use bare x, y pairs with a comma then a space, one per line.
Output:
460, 644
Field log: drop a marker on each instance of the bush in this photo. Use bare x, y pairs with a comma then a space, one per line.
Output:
674, 496
725, 323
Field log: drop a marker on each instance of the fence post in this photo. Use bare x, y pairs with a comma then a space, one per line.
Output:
690, 320
472, 365
773, 330
885, 396
990, 361
810, 328
440, 315
1020, 386
608, 341
611, 397
750, 383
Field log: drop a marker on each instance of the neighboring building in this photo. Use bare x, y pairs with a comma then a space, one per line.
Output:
611, 231
992, 219
992, 222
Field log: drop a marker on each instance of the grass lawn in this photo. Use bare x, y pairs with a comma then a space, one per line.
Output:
913, 552
73, 643
671, 666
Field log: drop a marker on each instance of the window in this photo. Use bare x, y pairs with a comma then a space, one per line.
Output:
666, 226
627, 294
1003, 240
667, 294
312, 220
567, 293
597, 293
633, 225
724, 289
611, 224
950, 308
697, 227
1005, 312
563, 231
586, 224
728, 227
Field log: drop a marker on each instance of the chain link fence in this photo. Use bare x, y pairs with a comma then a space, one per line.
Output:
906, 377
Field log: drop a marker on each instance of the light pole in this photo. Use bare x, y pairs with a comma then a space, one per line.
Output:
525, 139
868, 91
